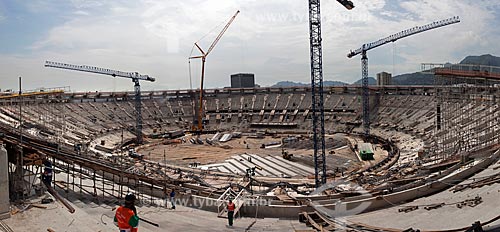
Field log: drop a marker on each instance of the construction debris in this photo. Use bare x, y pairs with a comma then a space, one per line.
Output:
493, 179
39, 206
14, 211
408, 209
59, 198
434, 206
470, 202
47, 200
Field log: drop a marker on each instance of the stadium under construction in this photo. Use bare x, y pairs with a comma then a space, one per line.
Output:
434, 155
316, 158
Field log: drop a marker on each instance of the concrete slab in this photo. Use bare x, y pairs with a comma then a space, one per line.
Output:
266, 165
448, 216
298, 165
100, 218
247, 164
290, 165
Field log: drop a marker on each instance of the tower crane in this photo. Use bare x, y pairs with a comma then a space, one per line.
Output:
135, 76
392, 38
318, 115
199, 127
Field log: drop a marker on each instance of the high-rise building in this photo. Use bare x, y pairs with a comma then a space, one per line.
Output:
243, 80
384, 78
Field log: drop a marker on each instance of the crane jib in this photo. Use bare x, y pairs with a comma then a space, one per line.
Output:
403, 34
104, 71
135, 76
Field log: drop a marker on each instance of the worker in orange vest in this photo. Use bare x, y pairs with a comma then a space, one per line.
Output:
230, 212
126, 216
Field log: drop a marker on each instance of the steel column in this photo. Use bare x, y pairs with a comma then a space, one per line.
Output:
366, 94
138, 110
318, 116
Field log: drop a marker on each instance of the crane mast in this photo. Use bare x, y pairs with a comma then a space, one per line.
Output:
135, 76
318, 115
203, 57
366, 93
392, 38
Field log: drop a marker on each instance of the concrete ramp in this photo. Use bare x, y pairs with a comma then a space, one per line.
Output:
270, 166
225, 138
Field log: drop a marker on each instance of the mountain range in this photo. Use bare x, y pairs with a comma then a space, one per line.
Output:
416, 78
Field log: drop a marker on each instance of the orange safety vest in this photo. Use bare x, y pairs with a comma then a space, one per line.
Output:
126, 219
230, 206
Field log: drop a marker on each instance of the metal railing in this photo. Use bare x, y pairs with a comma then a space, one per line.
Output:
237, 198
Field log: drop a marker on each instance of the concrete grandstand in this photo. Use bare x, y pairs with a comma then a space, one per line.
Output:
419, 168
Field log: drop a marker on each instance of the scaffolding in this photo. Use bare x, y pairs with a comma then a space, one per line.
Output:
85, 177
34, 93
467, 112
79, 173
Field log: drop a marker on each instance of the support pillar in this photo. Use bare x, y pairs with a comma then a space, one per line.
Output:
4, 184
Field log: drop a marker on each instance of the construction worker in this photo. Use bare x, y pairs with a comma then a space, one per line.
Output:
126, 216
172, 198
230, 212
47, 172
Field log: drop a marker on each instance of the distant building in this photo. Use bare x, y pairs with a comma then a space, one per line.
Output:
384, 78
243, 80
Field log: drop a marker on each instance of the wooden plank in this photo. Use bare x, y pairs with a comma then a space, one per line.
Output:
39, 206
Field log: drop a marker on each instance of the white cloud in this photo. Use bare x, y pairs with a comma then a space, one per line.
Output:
87, 4
81, 12
269, 38
2, 15
451, 43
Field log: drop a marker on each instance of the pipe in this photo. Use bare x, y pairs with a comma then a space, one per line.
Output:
59, 198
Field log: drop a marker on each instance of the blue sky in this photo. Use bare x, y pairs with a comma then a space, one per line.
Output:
268, 38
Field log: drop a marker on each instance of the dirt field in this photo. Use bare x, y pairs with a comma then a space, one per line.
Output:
337, 149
